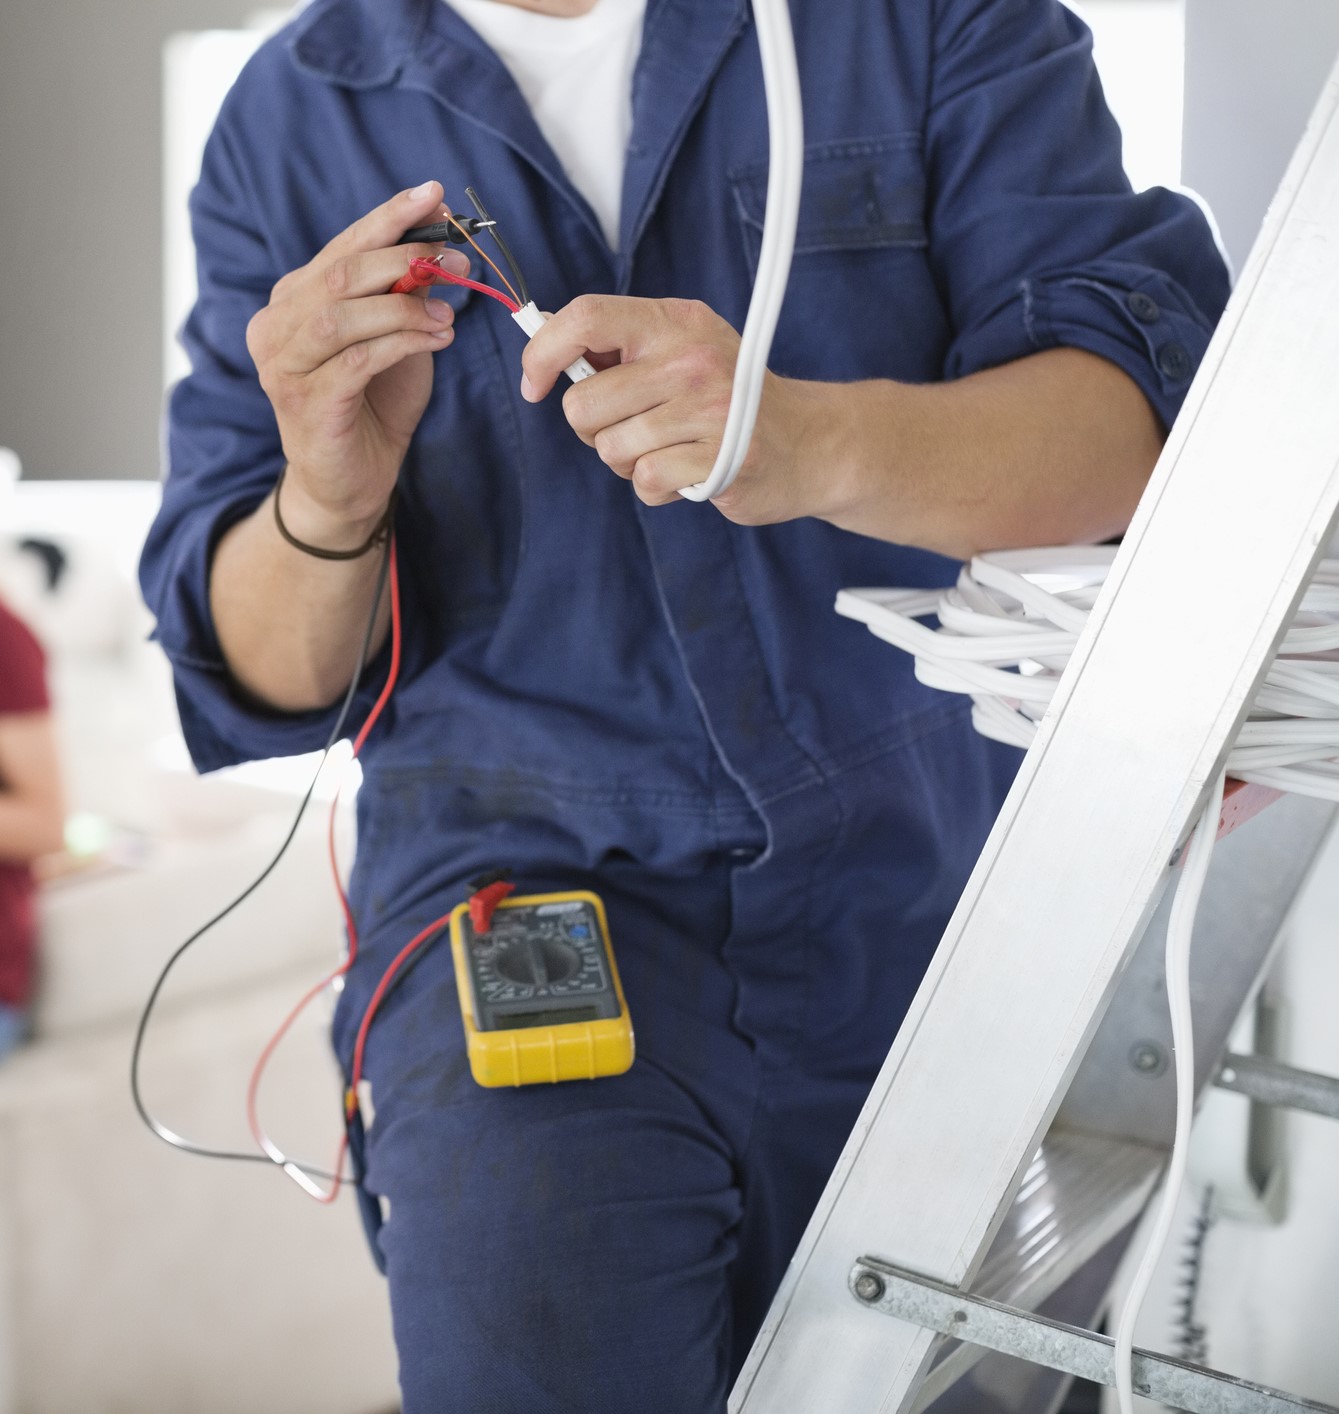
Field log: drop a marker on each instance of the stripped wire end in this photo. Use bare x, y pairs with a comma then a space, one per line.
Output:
486, 259
484, 217
461, 231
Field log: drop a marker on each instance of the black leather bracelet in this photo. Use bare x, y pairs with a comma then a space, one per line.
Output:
379, 535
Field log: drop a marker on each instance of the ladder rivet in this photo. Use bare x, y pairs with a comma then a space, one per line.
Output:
1148, 1057
868, 1287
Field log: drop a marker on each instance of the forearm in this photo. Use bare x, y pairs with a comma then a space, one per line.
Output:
1056, 446
346, 364
29, 827
1053, 449
291, 624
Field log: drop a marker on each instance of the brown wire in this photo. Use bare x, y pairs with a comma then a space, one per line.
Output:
484, 255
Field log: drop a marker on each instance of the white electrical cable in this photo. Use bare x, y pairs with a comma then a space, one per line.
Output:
1180, 930
1008, 626
532, 320
785, 173
1006, 631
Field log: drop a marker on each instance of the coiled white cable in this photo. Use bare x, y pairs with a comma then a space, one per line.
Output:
785, 173
1008, 626
1005, 634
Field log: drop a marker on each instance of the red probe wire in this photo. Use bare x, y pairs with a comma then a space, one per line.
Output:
428, 272
253, 1088
387, 977
421, 274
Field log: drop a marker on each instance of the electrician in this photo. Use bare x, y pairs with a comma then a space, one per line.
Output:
605, 686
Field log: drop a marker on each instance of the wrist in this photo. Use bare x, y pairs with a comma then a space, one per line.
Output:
315, 523
826, 432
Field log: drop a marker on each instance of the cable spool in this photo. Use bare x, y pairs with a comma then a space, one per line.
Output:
1007, 628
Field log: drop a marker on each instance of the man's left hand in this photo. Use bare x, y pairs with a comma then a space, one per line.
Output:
656, 411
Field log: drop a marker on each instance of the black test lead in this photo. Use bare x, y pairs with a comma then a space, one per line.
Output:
456, 231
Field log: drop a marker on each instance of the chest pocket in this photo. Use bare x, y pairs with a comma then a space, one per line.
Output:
861, 261
858, 195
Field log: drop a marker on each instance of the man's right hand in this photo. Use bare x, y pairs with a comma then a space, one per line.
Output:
348, 368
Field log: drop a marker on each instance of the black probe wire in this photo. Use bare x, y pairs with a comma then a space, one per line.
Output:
501, 244
159, 1130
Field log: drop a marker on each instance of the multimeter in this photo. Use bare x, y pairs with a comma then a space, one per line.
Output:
539, 991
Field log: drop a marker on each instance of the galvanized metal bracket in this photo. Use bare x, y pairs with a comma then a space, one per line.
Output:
936, 1307
1283, 1086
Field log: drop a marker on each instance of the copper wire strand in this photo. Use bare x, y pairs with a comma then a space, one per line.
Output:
485, 256
516, 273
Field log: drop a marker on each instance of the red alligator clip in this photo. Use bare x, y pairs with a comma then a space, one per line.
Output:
489, 891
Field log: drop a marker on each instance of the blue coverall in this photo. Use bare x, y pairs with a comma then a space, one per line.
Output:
656, 704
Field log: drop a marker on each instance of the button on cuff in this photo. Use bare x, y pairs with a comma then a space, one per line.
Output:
1144, 307
1174, 362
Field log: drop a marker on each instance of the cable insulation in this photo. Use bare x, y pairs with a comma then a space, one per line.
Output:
1180, 932
785, 175
517, 273
1007, 628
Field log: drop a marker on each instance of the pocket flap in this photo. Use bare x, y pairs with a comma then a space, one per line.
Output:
857, 194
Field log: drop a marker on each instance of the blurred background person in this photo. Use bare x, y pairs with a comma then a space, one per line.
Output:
31, 814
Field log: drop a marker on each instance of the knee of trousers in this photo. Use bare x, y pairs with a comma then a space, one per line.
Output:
560, 1250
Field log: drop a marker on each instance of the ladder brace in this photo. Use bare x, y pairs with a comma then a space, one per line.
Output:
1282, 1086
934, 1306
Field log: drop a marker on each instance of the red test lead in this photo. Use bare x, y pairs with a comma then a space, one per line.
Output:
488, 893
429, 272
421, 273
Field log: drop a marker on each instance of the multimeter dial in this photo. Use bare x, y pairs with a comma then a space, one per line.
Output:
540, 965
545, 962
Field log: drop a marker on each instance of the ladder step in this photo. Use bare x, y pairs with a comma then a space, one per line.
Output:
1080, 1191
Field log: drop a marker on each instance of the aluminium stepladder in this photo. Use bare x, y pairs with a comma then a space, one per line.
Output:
945, 1183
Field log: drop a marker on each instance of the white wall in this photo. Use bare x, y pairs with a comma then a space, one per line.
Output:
198, 71
1253, 71
1139, 49
80, 230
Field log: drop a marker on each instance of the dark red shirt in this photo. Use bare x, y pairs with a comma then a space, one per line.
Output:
22, 690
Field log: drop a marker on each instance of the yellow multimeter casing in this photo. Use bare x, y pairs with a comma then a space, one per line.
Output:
540, 995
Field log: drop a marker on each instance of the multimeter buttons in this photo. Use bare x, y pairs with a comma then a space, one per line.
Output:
539, 992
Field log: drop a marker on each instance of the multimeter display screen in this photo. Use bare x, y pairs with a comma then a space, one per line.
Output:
542, 964
521, 1019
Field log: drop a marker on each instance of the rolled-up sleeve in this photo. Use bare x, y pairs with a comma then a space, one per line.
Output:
1038, 240
223, 456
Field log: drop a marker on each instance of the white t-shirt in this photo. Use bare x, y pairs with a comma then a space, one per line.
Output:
576, 75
